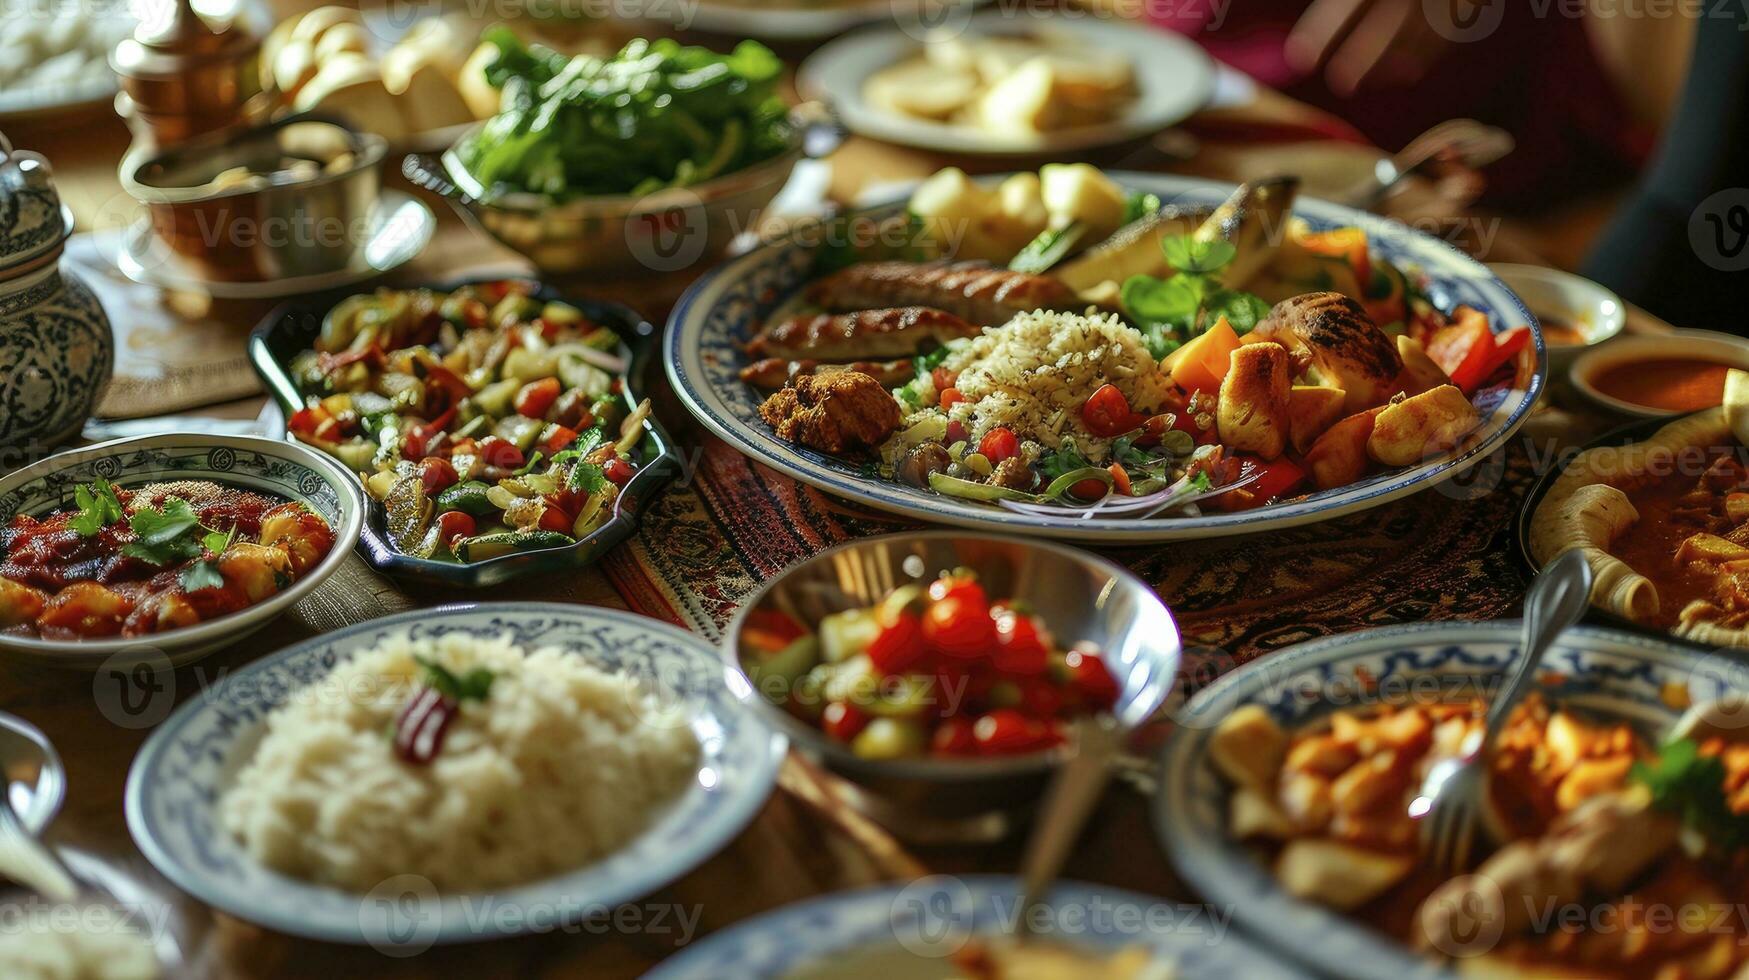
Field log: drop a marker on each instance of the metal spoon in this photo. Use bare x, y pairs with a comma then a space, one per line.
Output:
1454, 794
34, 785
1068, 802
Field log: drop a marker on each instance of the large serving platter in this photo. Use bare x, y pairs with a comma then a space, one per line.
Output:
724, 309
930, 915
1607, 673
175, 782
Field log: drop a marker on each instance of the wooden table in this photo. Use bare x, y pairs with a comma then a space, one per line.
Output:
798, 846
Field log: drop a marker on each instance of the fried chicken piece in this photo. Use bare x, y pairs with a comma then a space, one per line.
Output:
1341, 341
833, 413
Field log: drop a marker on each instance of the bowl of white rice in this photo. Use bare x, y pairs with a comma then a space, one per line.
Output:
389, 783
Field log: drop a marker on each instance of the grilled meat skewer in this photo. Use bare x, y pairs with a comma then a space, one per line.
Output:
860, 335
775, 372
975, 291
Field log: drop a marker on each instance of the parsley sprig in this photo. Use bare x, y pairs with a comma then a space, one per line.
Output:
474, 685
1173, 310
1692, 786
98, 505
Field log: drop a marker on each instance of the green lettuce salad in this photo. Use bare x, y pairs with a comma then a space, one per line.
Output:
656, 115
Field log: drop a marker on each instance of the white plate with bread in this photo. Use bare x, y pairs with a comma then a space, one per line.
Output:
1011, 84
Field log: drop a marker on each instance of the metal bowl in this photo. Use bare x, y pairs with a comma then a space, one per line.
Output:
260, 232
611, 234
1081, 596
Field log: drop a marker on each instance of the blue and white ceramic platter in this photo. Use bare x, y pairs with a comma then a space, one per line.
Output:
931, 916
724, 309
1603, 672
176, 781
269, 466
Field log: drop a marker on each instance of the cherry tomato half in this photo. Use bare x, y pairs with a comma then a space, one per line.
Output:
1019, 648
998, 444
954, 737
843, 722
1107, 413
534, 398
898, 645
454, 524
436, 474
959, 627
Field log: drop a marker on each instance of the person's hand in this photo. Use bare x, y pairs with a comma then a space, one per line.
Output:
1368, 42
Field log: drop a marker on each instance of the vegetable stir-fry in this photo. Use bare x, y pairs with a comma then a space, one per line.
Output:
941, 671
656, 115
485, 420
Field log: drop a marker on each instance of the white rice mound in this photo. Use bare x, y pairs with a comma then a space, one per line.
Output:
560, 765
76, 944
1032, 375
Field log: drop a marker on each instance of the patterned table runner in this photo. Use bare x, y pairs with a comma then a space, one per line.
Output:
729, 524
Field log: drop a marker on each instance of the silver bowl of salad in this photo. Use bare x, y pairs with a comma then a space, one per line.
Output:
648, 162
940, 673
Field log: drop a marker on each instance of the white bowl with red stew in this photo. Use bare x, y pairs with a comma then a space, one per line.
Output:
161, 549
1655, 375
942, 673
1575, 313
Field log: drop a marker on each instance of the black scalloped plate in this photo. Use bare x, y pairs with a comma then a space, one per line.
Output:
292, 328
1635, 431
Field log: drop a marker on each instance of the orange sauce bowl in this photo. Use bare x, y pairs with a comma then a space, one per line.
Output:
1650, 376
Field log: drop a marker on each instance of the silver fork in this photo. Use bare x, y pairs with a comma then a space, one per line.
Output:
1455, 790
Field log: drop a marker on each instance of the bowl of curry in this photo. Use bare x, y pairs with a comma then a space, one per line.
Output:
161, 549
1650, 376
1662, 517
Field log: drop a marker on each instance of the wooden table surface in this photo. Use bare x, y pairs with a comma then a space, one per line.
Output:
798, 846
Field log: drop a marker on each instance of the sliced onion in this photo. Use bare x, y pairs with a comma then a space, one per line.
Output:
611, 363
1172, 497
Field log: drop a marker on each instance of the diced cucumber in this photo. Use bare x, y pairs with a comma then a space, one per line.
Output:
495, 398
890, 738
483, 546
520, 431
469, 498
779, 670
356, 454
844, 635
526, 365
575, 372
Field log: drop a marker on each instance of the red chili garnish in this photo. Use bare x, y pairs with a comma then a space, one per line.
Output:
421, 726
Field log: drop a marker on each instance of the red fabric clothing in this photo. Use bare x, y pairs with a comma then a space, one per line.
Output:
1536, 77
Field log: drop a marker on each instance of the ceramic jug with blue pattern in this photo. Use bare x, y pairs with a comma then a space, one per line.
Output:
56, 346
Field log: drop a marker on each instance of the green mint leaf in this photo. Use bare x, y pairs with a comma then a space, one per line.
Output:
475, 684
1243, 310
1692, 786
1185, 254
1171, 302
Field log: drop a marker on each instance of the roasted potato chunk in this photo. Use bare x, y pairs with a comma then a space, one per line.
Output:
1311, 409
1421, 426
1338, 457
1248, 748
1419, 373
1252, 414
1336, 874
19, 603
